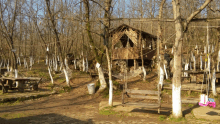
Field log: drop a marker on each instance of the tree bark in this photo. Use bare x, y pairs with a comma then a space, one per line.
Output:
9, 33
159, 44
91, 41
176, 88
58, 41
106, 42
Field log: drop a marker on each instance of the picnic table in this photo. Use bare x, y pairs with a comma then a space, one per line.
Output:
32, 81
195, 73
3, 70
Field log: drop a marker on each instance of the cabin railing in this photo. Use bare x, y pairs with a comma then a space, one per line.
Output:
132, 53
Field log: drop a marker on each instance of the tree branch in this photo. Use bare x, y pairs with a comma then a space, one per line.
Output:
195, 13
213, 9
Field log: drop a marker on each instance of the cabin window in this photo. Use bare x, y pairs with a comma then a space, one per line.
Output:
125, 42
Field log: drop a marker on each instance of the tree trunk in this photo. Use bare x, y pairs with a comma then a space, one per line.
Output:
213, 83
106, 42
159, 48
161, 77
16, 76
91, 42
101, 78
66, 76
65, 69
110, 78
51, 77
176, 88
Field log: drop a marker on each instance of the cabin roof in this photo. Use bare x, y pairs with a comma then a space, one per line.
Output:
123, 27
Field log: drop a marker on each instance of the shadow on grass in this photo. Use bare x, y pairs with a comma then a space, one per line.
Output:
45, 118
187, 111
26, 107
163, 111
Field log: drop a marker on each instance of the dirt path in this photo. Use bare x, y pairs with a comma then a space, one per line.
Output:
76, 107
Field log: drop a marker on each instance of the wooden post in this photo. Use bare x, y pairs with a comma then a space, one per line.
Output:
135, 64
159, 90
21, 86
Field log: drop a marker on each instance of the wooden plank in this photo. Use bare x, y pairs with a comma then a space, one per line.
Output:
186, 89
143, 97
217, 76
141, 91
190, 100
21, 78
185, 77
147, 105
193, 82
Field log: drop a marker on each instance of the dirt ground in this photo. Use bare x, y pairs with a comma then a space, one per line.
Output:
77, 106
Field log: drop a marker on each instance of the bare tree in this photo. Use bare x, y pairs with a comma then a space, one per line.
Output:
106, 42
159, 45
52, 20
180, 30
8, 29
91, 42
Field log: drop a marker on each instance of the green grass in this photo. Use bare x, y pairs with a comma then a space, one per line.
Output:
51, 86
201, 119
67, 89
168, 81
107, 111
105, 93
61, 91
190, 105
192, 94
14, 115
5, 115
61, 80
169, 92
115, 83
13, 102
117, 92
145, 81
18, 115
178, 119
83, 73
162, 118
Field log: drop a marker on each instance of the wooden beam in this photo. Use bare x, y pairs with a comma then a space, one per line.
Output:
143, 97
147, 105
141, 91
137, 19
163, 20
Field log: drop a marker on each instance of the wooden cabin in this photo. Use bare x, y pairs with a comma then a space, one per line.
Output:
127, 42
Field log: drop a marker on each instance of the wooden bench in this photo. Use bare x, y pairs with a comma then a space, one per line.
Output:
143, 94
8, 82
188, 77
